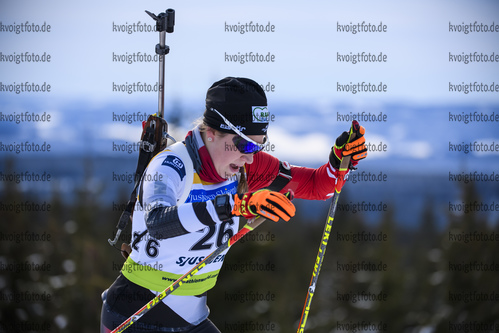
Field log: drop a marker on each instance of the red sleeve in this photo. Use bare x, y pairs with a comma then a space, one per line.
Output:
313, 184
262, 172
306, 183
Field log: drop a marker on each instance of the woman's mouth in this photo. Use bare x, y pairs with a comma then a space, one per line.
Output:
234, 168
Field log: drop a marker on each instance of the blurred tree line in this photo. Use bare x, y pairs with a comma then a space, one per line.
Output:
55, 264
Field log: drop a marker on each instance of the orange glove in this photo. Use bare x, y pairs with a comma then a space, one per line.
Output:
266, 203
344, 146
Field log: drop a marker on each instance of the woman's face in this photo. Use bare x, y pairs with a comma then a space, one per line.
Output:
226, 158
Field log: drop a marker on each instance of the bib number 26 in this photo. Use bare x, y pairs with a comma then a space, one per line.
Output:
223, 235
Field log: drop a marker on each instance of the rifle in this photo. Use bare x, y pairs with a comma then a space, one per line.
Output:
154, 130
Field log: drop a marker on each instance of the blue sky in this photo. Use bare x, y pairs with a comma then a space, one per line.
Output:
305, 43
306, 71
305, 75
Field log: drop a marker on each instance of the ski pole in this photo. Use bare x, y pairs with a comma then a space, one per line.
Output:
249, 226
345, 163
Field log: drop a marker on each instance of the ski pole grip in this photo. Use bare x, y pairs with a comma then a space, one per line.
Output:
255, 222
345, 161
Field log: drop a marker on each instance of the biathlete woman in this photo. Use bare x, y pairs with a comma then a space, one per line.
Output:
190, 200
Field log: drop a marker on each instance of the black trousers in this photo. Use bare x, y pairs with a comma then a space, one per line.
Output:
124, 298
111, 320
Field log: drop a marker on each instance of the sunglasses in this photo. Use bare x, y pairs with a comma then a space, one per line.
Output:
247, 147
242, 142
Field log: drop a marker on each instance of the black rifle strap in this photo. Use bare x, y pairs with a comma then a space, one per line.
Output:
145, 155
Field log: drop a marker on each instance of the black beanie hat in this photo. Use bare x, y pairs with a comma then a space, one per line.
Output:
242, 101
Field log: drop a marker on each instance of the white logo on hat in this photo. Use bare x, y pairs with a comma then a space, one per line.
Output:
239, 128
